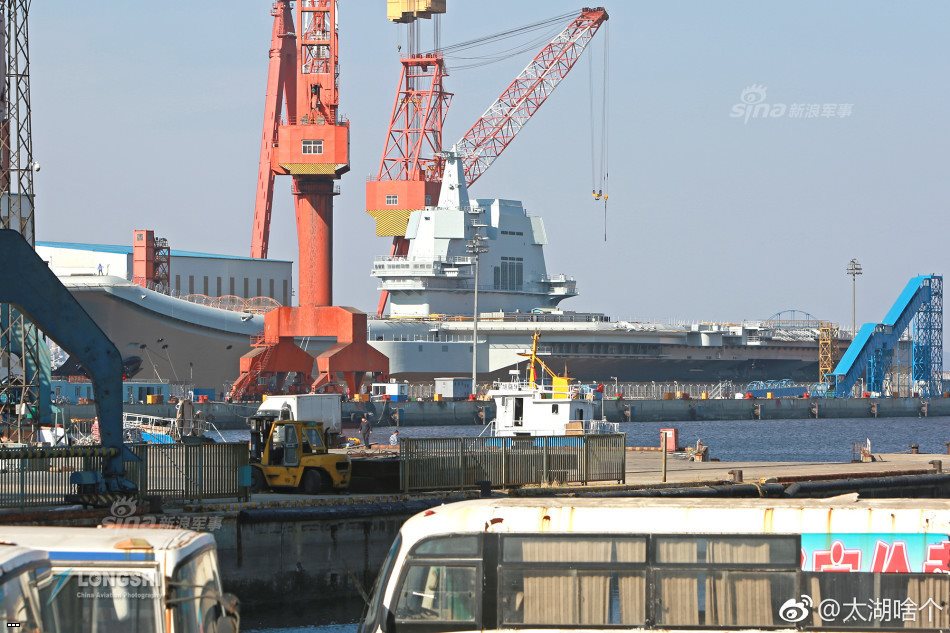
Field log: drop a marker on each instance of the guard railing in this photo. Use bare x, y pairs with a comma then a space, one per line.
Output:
456, 463
36, 476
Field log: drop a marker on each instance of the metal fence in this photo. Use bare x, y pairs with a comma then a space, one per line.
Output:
189, 471
40, 476
453, 463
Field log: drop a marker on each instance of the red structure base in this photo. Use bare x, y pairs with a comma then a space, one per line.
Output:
275, 357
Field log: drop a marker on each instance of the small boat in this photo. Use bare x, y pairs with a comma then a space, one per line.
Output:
533, 408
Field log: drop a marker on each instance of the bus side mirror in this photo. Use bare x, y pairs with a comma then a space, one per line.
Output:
229, 617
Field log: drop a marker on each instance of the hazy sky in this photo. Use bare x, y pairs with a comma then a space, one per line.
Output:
148, 115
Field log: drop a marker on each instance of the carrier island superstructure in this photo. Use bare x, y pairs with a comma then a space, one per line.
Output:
197, 330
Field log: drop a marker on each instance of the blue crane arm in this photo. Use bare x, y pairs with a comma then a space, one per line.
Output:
27, 283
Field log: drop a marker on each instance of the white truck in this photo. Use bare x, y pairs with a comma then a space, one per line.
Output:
312, 407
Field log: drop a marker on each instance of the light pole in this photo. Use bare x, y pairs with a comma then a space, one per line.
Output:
475, 247
854, 269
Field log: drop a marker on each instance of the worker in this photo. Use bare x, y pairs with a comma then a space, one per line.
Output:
394, 438
365, 429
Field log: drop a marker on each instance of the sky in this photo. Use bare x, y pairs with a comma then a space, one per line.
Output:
148, 115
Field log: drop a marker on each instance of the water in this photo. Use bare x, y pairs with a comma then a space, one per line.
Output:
731, 440
747, 440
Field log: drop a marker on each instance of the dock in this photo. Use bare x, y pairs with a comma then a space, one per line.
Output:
644, 468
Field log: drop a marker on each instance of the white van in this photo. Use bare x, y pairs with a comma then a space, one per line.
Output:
132, 580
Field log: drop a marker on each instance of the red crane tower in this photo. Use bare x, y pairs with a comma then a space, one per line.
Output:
310, 143
410, 172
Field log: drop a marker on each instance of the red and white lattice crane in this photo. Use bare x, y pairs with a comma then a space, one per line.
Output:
410, 171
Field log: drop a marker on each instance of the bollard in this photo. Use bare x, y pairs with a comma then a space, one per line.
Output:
915, 449
948, 448
484, 488
663, 452
937, 464
736, 476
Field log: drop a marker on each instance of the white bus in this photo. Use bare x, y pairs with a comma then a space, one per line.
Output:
668, 564
132, 580
24, 574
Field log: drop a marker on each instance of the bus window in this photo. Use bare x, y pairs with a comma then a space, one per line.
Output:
106, 600
18, 603
781, 550
197, 590
437, 585
723, 581
572, 581
438, 593
552, 549
374, 606
448, 546
891, 600
570, 597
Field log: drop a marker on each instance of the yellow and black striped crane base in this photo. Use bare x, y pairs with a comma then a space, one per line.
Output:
66, 451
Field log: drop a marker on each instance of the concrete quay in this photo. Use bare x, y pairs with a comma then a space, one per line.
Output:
289, 548
644, 468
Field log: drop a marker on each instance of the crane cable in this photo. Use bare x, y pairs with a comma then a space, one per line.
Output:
599, 169
503, 35
548, 28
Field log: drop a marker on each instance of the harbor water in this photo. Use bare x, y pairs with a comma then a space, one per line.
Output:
825, 439
736, 440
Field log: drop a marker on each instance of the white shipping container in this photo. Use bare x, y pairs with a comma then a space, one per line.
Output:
311, 407
453, 388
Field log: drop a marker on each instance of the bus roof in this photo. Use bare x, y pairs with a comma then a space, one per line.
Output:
682, 516
14, 556
108, 543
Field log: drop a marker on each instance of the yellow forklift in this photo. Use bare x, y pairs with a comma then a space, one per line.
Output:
291, 455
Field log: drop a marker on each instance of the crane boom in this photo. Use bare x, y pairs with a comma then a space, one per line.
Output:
281, 88
508, 115
410, 172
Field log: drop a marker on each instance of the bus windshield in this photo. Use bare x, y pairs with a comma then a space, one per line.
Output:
19, 602
105, 600
374, 607
196, 591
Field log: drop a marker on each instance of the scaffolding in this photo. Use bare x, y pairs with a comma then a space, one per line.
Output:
927, 347
827, 335
22, 357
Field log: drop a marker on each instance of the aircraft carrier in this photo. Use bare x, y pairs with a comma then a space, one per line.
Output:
428, 331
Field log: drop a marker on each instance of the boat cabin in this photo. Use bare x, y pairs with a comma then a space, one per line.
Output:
561, 407
523, 410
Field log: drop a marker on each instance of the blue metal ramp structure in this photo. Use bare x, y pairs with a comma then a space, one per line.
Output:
919, 308
28, 284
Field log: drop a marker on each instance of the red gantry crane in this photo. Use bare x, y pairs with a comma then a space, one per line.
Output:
310, 143
410, 172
